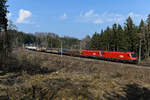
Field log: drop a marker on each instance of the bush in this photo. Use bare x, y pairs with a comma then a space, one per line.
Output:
19, 63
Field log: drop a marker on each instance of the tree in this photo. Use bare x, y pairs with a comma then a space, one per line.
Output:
53, 40
121, 39
147, 37
131, 32
4, 43
141, 38
41, 38
115, 38
12, 33
11, 25
3, 13
106, 39
84, 44
95, 42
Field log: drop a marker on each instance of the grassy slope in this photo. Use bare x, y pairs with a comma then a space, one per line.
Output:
146, 62
76, 79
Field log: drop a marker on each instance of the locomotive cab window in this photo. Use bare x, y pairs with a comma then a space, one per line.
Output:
102, 53
133, 55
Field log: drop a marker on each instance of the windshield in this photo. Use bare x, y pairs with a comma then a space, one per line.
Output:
102, 53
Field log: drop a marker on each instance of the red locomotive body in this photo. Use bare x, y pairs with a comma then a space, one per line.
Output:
128, 56
120, 55
90, 53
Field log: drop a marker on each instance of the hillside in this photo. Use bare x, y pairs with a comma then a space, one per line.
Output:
69, 78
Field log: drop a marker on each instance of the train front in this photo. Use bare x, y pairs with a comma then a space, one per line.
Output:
133, 57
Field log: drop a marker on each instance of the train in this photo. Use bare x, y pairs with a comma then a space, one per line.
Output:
129, 57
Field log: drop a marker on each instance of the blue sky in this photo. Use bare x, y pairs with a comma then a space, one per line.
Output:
76, 18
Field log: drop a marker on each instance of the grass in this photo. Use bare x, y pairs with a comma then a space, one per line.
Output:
145, 62
70, 78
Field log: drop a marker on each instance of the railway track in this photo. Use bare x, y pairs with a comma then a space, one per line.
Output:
96, 58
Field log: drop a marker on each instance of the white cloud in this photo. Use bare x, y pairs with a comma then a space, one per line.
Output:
64, 16
98, 21
23, 15
89, 13
115, 19
131, 14
91, 16
95, 18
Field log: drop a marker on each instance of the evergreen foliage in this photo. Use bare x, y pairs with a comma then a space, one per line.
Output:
95, 42
129, 38
4, 38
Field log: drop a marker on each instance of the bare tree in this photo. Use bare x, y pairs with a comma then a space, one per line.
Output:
84, 44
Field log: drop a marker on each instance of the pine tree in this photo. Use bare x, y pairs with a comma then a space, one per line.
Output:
131, 32
115, 38
147, 37
4, 43
141, 42
106, 39
122, 39
95, 42
103, 39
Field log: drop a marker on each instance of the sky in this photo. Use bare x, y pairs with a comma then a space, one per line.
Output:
75, 18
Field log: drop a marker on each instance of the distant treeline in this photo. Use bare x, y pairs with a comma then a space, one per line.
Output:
41, 39
130, 38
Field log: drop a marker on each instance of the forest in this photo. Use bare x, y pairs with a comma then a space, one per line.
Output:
127, 38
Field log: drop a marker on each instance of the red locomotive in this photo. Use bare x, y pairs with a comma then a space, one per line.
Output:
123, 56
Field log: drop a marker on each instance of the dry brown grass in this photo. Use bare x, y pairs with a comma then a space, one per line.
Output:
145, 62
76, 79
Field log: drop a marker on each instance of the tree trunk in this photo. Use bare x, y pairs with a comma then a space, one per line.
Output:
147, 53
140, 51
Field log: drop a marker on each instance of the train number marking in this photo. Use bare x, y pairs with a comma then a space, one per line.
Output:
94, 54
